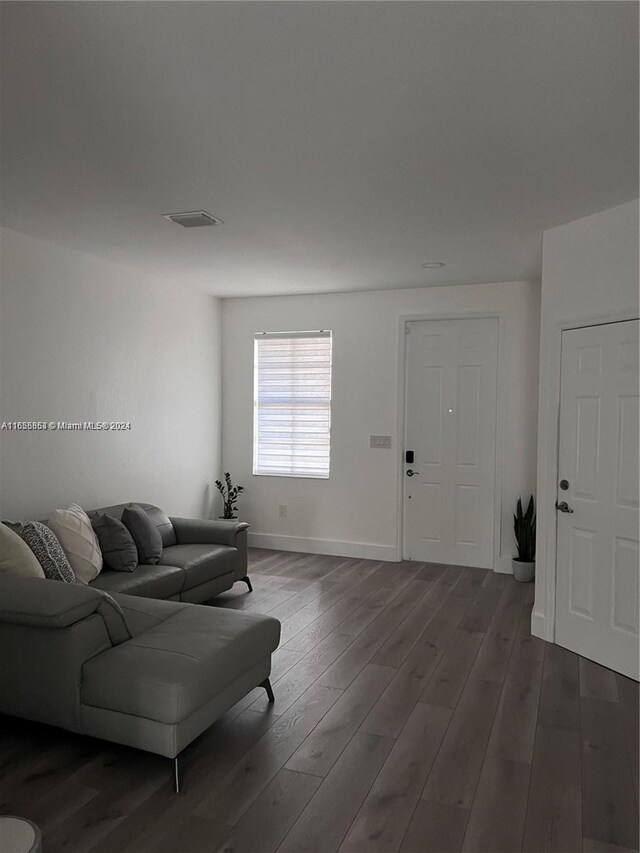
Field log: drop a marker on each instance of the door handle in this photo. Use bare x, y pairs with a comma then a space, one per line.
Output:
411, 472
563, 506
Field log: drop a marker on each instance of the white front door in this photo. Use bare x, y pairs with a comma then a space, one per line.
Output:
597, 553
450, 423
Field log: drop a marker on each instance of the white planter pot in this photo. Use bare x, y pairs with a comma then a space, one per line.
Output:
523, 572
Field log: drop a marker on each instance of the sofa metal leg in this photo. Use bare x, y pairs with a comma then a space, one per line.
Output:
248, 582
267, 686
176, 775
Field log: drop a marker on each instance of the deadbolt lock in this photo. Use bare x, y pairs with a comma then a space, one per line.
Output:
564, 485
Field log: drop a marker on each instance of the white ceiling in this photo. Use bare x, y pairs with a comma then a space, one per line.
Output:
343, 144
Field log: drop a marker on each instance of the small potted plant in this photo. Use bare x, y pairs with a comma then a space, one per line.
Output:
524, 526
230, 495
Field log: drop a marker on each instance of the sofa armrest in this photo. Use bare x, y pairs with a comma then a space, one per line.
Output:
54, 604
197, 531
47, 603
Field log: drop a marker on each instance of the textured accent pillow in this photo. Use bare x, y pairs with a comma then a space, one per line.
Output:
48, 551
16, 557
145, 534
119, 551
74, 531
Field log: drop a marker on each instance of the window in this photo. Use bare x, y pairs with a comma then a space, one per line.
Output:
292, 404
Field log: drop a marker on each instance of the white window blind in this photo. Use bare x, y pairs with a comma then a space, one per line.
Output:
292, 404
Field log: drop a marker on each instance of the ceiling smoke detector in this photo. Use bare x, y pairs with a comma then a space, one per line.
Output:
193, 218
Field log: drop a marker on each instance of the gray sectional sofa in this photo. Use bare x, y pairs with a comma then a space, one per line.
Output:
111, 660
200, 559
141, 672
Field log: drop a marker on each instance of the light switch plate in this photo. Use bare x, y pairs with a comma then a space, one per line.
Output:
380, 441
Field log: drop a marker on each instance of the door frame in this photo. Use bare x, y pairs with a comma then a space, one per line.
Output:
543, 623
500, 564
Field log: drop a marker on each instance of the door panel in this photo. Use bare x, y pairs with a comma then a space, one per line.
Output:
432, 506
466, 515
429, 408
590, 359
597, 554
450, 425
581, 568
587, 441
625, 585
468, 397
627, 484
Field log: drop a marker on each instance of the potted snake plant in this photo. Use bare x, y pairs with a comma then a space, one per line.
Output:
524, 527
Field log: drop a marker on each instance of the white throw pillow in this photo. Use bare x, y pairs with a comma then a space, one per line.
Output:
76, 535
16, 557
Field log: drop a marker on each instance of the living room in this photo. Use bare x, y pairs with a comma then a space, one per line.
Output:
380, 186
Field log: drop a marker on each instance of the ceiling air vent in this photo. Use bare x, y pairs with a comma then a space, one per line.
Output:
193, 218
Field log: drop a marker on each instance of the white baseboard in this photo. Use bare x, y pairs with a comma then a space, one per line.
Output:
339, 548
503, 566
330, 547
539, 627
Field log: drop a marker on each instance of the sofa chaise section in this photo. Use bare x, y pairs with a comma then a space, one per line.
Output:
176, 675
145, 673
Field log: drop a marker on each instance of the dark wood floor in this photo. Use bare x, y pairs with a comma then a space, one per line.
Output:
414, 712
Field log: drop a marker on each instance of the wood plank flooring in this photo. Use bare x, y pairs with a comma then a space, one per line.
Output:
414, 712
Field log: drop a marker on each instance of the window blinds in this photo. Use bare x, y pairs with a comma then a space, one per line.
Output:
292, 404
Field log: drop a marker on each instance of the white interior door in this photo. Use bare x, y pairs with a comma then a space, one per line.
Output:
450, 422
597, 546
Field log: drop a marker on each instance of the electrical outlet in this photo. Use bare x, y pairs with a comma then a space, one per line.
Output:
282, 510
380, 441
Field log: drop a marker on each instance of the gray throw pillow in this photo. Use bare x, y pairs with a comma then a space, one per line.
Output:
119, 552
48, 551
145, 534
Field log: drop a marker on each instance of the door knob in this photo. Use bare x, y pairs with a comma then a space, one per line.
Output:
411, 472
563, 506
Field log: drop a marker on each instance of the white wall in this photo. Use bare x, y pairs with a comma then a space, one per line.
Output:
355, 511
82, 339
589, 275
